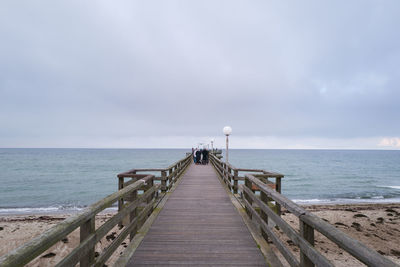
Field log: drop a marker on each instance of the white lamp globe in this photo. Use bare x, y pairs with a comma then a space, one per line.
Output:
227, 130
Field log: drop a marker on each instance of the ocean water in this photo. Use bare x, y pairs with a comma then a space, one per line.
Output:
65, 180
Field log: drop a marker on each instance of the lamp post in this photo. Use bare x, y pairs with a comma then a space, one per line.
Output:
212, 144
227, 131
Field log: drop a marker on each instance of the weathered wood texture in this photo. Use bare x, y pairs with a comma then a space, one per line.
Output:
198, 226
309, 223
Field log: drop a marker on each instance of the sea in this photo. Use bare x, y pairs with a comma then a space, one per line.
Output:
37, 181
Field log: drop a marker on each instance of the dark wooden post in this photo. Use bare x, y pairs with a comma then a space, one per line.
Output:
235, 181
307, 232
170, 178
132, 215
85, 230
278, 189
149, 186
164, 181
248, 183
120, 186
264, 198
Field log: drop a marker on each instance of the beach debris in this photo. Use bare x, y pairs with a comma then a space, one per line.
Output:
390, 210
65, 240
342, 224
389, 214
395, 252
290, 242
49, 255
96, 254
356, 226
380, 220
372, 224
380, 237
111, 236
1, 228
360, 215
351, 210
381, 252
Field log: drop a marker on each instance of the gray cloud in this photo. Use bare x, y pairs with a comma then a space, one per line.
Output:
78, 72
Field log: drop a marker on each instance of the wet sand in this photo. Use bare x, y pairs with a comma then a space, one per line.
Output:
376, 225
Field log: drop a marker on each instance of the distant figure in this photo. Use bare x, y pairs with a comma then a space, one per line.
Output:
205, 156
198, 156
194, 154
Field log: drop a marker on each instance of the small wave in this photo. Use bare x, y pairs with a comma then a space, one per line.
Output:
390, 186
40, 210
375, 199
310, 201
49, 210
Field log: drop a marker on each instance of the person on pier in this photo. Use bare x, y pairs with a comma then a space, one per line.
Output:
205, 156
198, 157
194, 154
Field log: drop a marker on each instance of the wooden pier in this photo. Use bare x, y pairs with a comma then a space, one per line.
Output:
186, 214
198, 226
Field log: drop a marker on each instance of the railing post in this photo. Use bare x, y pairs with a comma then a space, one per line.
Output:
235, 181
248, 183
164, 181
170, 178
149, 186
132, 215
264, 198
278, 186
86, 229
307, 232
120, 186
229, 174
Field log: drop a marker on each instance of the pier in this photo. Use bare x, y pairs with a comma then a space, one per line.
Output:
187, 214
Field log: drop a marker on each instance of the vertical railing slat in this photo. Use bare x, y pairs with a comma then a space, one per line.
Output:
86, 229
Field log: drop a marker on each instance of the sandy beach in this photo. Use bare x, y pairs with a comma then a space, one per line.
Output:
376, 225
15, 230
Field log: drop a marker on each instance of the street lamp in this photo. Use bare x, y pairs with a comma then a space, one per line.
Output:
212, 144
227, 131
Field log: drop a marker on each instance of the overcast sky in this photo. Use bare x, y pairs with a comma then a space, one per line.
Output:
133, 74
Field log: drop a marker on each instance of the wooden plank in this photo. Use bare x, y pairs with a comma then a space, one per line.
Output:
198, 225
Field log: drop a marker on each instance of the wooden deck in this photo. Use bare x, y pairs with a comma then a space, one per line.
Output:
198, 226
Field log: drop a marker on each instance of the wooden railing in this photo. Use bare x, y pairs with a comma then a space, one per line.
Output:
263, 200
232, 175
259, 207
136, 200
168, 176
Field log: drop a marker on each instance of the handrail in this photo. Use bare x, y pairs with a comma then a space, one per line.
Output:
167, 181
308, 223
38, 245
230, 174
137, 194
